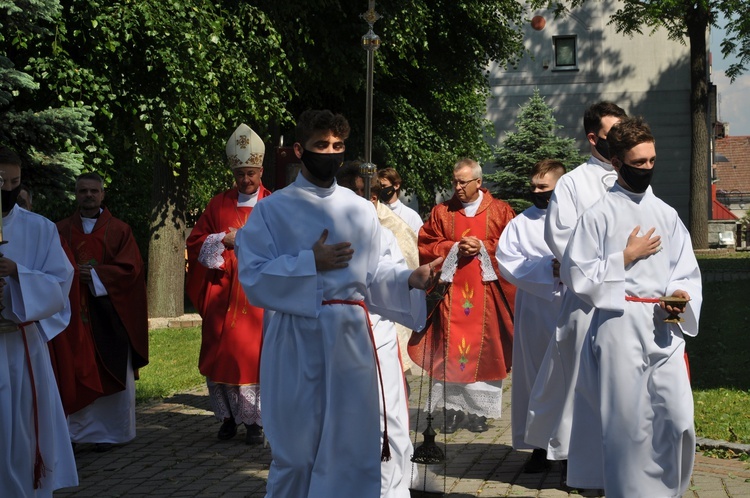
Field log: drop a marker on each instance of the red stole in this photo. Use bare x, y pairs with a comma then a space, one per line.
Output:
467, 308
469, 337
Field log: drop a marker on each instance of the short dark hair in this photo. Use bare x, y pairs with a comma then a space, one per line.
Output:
391, 175
91, 176
312, 121
592, 118
548, 165
628, 133
9, 156
347, 174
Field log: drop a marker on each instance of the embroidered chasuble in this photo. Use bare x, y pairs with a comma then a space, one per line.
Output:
470, 335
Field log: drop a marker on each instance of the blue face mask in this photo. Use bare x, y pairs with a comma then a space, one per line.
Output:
638, 179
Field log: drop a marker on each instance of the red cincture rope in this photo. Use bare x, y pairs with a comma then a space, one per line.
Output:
385, 453
635, 299
39, 469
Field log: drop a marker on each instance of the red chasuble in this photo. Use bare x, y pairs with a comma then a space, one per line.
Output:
469, 337
73, 355
121, 317
232, 328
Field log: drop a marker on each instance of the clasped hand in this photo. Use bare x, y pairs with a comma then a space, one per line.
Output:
678, 309
469, 246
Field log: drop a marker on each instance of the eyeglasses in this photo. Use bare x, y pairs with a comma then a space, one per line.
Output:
462, 183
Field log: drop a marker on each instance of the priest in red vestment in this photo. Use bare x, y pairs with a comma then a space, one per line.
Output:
467, 346
113, 307
232, 329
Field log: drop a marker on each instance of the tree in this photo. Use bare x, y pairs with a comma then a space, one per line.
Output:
49, 137
535, 140
689, 20
431, 86
169, 81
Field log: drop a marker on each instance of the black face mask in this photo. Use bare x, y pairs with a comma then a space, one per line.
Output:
386, 193
322, 166
541, 199
638, 179
602, 147
9, 198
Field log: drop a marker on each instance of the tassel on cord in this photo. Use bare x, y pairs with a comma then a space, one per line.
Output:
385, 455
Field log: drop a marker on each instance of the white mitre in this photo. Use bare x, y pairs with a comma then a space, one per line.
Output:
245, 149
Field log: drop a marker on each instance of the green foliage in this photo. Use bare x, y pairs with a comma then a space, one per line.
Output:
430, 86
50, 136
168, 81
173, 363
535, 140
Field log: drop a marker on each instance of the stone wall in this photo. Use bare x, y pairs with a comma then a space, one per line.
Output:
715, 227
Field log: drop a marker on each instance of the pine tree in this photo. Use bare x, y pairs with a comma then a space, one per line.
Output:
47, 136
535, 140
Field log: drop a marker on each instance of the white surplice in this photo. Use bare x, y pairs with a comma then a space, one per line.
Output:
40, 292
633, 431
397, 474
551, 403
525, 260
318, 371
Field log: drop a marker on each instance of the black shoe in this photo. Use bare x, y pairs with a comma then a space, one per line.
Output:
564, 475
537, 463
477, 423
453, 419
102, 447
254, 434
228, 430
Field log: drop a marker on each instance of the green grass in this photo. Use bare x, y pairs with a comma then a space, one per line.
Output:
173, 365
720, 354
722, 414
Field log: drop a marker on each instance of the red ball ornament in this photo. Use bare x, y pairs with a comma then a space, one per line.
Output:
538, 23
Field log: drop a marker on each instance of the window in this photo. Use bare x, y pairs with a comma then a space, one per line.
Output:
565, 52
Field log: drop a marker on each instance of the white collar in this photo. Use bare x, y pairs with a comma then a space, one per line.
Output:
303, 183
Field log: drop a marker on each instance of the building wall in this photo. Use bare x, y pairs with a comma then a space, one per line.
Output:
645, 75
